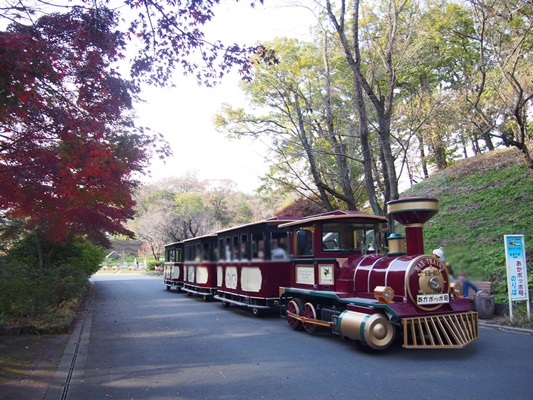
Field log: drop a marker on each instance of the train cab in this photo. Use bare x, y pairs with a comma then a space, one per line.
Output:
200, 266
321, 244
173, 267
253, 262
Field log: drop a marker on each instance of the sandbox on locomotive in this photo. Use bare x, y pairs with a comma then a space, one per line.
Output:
339, 280
335, 276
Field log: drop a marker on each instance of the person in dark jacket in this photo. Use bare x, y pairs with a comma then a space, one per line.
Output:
467, 285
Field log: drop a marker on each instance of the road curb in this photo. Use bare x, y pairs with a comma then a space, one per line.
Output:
490, 325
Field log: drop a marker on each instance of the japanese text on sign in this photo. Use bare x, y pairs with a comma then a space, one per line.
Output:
516, 267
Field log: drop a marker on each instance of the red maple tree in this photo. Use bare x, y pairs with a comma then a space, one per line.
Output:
69, 147
168, 36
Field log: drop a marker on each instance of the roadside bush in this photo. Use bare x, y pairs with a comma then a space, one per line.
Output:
33, 295
79, 252
40, 296
151, 264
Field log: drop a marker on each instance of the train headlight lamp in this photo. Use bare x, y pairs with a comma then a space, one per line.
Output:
457, 289
434, 283
384, 294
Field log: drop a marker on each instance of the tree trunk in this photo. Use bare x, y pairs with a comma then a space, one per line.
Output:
39, 249
422, 153
310, 156
440, 154
338, 147
488, 140
360, 103
526, 156
383, 107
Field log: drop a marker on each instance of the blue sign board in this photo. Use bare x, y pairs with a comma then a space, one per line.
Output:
515, 257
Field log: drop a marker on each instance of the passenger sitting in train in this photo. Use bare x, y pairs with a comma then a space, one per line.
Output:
278, 252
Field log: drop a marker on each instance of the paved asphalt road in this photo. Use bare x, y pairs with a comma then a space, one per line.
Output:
143, 342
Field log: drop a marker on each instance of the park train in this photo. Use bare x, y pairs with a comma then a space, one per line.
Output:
335, 276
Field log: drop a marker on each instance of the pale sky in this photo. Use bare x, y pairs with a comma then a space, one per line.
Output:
184, 115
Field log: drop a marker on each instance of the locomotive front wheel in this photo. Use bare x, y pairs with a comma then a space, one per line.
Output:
294, 306
309, 311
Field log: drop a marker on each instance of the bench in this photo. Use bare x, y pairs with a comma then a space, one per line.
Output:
481, 285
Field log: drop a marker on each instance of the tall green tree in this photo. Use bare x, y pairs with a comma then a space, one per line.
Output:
503, 97
315, 151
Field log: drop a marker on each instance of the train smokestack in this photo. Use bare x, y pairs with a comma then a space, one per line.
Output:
413, 213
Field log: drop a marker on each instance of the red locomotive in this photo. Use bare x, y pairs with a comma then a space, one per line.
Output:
339, 280
338, 277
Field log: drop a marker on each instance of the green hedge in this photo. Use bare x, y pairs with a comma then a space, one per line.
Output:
31, 294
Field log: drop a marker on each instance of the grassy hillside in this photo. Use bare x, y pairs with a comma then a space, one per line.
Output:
481, 199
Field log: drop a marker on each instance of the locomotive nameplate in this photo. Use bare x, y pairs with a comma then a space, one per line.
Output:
427, 283
428, 299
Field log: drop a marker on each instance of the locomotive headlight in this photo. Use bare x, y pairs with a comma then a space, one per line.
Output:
434, 283
384, 294
457, 289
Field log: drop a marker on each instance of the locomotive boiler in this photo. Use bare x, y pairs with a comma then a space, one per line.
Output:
340, 279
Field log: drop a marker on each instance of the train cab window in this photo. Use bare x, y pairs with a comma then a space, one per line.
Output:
304, 242
359, 238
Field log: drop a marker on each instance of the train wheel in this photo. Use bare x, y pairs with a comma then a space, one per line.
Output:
295, 306
168, 287
225, 304
309, 311
257, 312
189, 294
207, 298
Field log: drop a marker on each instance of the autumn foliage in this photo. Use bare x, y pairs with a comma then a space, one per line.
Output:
68, 143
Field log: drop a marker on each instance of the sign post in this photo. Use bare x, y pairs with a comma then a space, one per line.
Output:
517, 284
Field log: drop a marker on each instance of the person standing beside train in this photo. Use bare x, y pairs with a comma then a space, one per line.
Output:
439, 253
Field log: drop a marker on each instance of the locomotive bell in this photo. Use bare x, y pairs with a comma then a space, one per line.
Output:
413, 213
